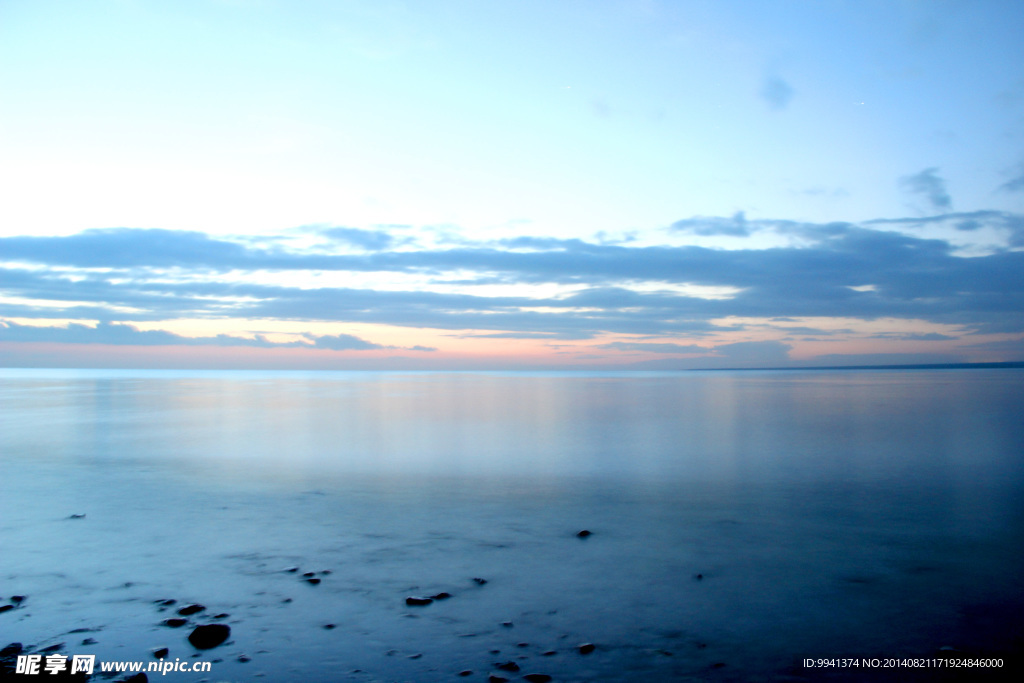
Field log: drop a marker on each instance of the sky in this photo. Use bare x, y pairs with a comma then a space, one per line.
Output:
458, 185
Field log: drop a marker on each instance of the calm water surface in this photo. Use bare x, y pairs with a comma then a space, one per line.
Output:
825, 513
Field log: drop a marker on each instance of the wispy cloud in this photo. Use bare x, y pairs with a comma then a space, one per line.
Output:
776, 92
928, 184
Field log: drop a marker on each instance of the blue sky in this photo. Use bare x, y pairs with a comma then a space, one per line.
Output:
229, 183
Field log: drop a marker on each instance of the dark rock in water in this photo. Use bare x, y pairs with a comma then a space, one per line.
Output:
586, 648
77, 516
244, 658
6, 608
584, 533
191, 609
466, 672
507, 624
222, 615
478, 581
418, 655
549, 653
699, 577
413, 601
309, 575
328, 626
209, 635
522, 645
291, 570
175, 622
313, 581
494, 678
718, 665
17, 599
89, 641
161, 652
441, 596
537, 678
507, 666
326, 572
12, 650
165, 603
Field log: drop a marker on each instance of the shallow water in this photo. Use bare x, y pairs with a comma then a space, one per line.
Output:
826, 514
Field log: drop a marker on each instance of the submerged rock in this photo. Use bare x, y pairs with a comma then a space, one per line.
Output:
478, 581
313, 581
175, 622
6, 608
586, 648
441, 596
584, 533
507, 666
191, 609
208, 636
161, 652
414, 600
77, 516
537, 678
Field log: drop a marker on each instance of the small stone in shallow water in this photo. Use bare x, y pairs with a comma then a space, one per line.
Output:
161, 652
244, 658
495, 678
584, 533
6, 608
522, 645
507, 624
89, 641
209, 635
549, 653
507, 666
309, 575
478, 581
290, 570
313, 581
586, 648
537, 678
191, 609
441, 596
222, 615
466, 672
165, 603
413, 600
77, 516
328, 626
175, 622
17, 599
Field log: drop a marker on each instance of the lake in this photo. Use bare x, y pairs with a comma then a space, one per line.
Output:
742, 522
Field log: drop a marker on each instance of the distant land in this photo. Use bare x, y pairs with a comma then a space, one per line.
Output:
920, 366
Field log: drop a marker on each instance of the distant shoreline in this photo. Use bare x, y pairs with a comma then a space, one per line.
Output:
920, 366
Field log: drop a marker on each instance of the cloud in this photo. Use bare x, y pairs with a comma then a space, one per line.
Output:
776, 92
736, 226
928, 184
1015, 183
345, 342
866, 270
370, 240
652, 347
122, 334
